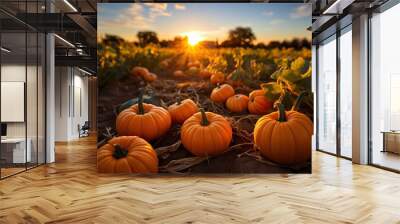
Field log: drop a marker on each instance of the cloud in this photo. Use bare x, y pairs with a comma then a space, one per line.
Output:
180, 6
136, 16
268, 13
301, 11
276, 22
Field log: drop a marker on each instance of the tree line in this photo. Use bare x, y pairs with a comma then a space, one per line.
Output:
238, 37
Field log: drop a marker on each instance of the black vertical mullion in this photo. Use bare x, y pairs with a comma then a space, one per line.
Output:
37, 90
338, 74
369, 88
316, 97
0, 94
26, 86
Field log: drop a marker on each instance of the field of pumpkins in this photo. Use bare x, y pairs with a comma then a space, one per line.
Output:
204, 111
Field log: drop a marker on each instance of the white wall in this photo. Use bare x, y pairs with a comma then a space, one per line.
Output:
71, 94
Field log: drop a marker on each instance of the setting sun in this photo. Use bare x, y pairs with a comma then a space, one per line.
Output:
194, 38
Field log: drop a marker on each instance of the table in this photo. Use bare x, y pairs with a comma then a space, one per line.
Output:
16, 147
391, 141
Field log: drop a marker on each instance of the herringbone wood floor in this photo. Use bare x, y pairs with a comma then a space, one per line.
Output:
71, 191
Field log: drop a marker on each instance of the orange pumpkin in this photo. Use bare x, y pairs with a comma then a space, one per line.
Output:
182, 110
284, 137
150, 77
205, 74
221, 93
194, 64
217, 78
144, 120
192, 71
139, 71
179, 74
206, 134
259, 103
237, 103
127, 154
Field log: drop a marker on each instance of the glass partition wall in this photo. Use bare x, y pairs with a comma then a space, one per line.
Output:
22, 77
385, 89
334, 94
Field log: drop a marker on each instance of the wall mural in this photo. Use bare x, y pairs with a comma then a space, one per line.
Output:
200, 88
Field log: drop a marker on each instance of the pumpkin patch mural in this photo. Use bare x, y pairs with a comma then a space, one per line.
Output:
195, 88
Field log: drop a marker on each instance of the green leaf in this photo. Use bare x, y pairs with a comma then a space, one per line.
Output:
272, 90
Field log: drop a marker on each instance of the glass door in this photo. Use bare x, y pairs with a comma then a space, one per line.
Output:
326, 99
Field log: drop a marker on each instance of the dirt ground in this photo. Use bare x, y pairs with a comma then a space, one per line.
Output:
240, 158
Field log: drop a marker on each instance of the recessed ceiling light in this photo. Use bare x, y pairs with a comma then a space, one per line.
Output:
64, 40
5, 50
70, 5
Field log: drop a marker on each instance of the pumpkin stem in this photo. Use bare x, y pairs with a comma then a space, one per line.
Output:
218, 85
178, 98
204, 120
140, 102
281, 112
298, 101
119, 152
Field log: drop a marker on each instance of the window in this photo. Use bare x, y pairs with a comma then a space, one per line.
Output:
385, 89
326, 100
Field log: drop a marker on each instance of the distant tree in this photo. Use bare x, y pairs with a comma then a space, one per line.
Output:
180, 42
295, 43
274, 44
305, 43
147, 37
241, 37
112, 40
261, 45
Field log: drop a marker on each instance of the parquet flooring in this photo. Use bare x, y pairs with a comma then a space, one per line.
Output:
71, 191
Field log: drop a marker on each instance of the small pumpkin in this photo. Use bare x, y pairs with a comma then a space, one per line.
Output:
221, 93
284, 137
205, 74
127, 154
139, 71
259, 103
182, 110
218, 77
147, 121
192, 71
150, 77
237, 103
179, 74
206, 134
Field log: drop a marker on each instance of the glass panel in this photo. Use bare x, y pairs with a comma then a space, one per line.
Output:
346, 93
41, 98
385, 84
327, 96
31, 98
13, 87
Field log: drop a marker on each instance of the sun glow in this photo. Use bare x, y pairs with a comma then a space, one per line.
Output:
194, 38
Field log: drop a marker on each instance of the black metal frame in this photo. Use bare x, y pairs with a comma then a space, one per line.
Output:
380, 9
44, 71
337, 34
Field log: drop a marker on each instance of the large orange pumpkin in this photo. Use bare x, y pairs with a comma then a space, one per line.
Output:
221, 93
127, 154
139, 71
206, 134
182, 110
259, 103
237, 103
216, 78
284, 136
144, 120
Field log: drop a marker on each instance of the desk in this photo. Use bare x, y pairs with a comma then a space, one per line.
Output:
391, 141
16, 148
